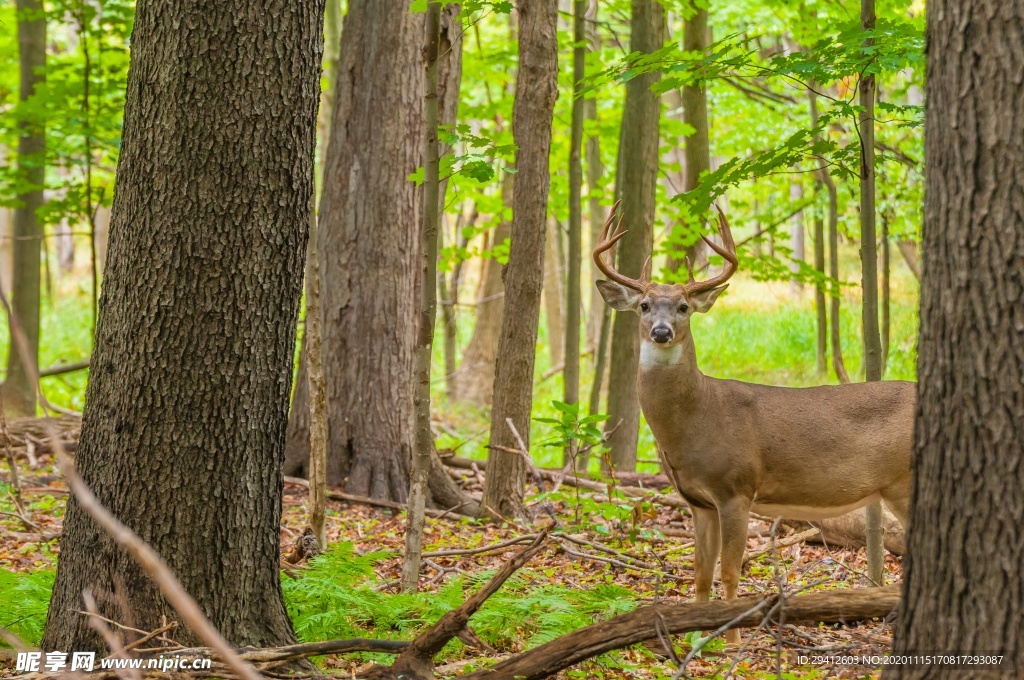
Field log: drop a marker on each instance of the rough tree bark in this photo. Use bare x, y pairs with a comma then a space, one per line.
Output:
188, 395
474, 382
637, 180
19, 394
869, 275
367, 250
369, 245
961, 577
532, 114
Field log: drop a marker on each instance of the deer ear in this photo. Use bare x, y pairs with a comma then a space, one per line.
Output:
702, 302
617, 296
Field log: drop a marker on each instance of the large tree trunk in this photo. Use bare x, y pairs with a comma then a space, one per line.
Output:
532, 114
187, 402
474, 382
637, 180
369, 246
19, 394
962, 589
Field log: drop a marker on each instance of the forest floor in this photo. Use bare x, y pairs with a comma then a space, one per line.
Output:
604, 558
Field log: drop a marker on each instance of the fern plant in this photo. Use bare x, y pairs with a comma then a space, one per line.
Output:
336, 597
24, 599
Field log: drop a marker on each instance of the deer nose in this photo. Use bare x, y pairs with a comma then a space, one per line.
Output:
661, 334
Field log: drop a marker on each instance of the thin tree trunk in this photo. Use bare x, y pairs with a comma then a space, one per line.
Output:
19, 394
962, 588
475, 378
195, 337
886, 303
573, 302
826, 180
317, 400
449, 292
821, 352
869, 275
908, 249
695, 114
297, 442
637, 180
552, 296
532, 114
595, 170
424, 440
796, 238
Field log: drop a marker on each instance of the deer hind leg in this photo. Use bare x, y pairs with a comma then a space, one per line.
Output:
897, 499
707, 540
734, 516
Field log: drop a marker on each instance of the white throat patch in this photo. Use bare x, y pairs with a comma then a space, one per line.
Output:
651, 355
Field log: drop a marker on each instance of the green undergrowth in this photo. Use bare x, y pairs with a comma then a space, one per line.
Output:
24, 598
337, 596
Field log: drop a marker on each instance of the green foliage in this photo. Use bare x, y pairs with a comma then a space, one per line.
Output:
572, 428
24, 599
337, 596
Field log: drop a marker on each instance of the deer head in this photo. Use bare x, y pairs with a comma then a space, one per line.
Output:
664, 309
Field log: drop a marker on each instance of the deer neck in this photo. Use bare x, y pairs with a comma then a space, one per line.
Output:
669, 377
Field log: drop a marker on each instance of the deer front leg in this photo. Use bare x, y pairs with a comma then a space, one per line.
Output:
707, 540
734, 516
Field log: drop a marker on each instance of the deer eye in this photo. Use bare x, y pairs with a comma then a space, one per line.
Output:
644, 306
683, 308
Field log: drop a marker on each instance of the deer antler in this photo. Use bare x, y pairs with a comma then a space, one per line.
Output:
728, 252
605, 243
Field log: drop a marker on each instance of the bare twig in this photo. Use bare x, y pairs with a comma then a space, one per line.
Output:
484, 549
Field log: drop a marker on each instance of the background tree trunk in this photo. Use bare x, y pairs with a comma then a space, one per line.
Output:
825, 180
962, 589
796, 238
869, 275
697, 152
532, 114
188, 395
553, 297
369, 246
637, 180
296, 449
19, 394
821, 317
573, 302
475, 379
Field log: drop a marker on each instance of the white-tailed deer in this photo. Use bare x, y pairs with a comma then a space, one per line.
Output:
731, 447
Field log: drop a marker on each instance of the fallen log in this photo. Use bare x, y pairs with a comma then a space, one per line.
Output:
636, 479
780, 543
836, 606
671, 500
377, 502
848, 531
